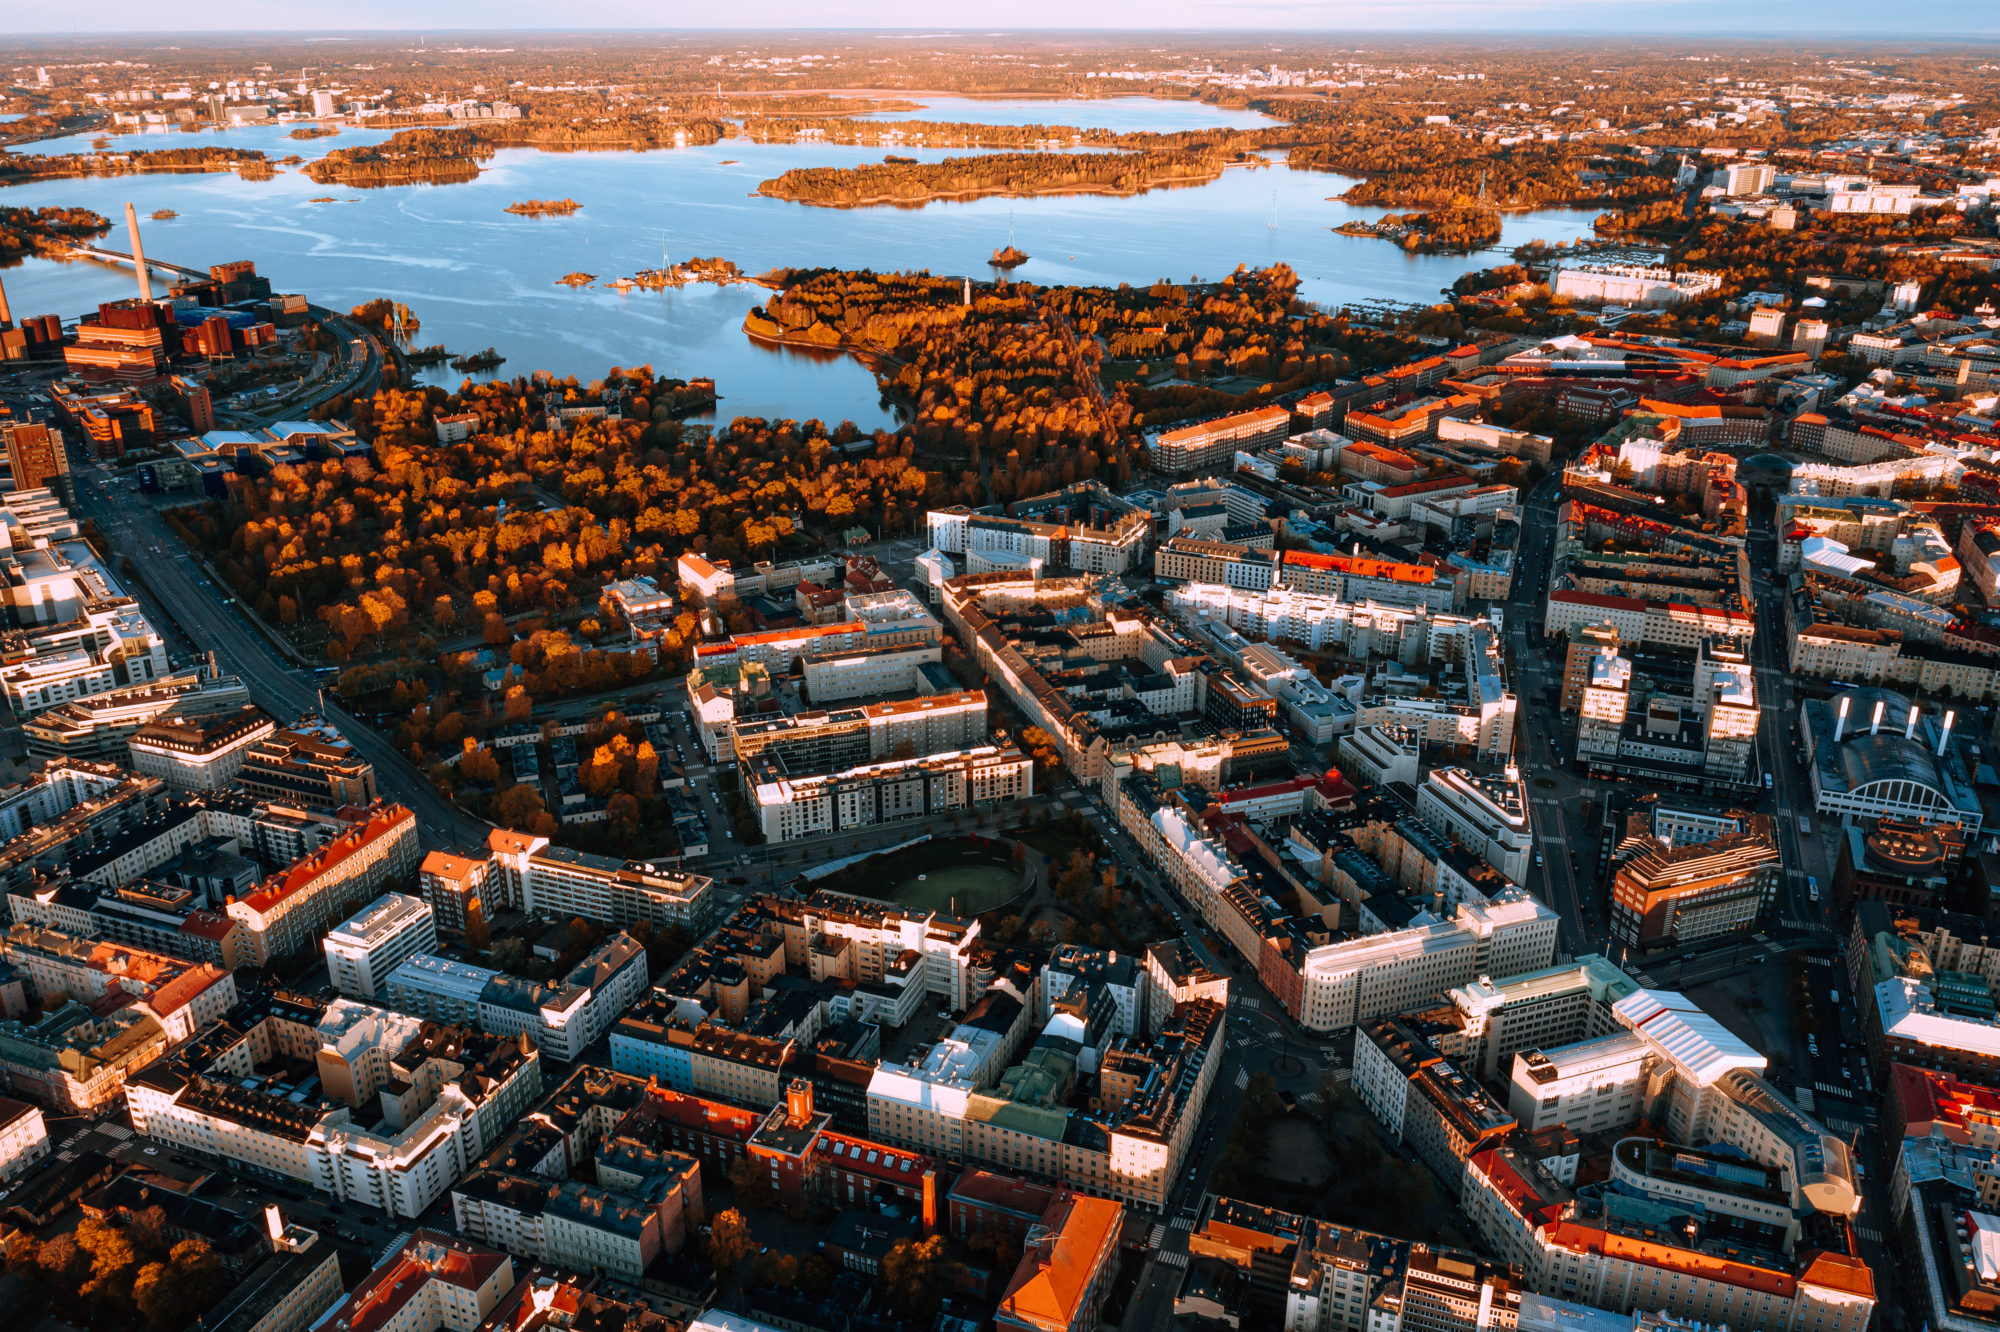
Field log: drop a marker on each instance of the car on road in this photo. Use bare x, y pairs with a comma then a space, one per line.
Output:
1812, 1045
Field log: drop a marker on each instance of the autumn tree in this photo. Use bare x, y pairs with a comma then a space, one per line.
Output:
478, 935
172, 1294
729, 1240
918, 1274
518, 807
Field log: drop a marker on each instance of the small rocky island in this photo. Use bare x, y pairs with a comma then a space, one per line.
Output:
540, 207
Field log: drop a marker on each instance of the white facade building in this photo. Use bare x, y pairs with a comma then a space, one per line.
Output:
364, 949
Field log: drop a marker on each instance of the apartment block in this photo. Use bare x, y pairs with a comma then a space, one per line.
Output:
285, 911
1185, 450
402, 1106
792, 807
364, 949
532, 874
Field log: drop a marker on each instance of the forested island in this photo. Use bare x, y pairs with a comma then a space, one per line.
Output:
1012, 174
1445, 231
25, 231
539, 207
313, 132
407, 156
20, 168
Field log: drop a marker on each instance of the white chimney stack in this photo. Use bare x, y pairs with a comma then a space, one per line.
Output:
1911, 728
1944, 736
138, 254
1841, 725
274, 1223
1876, 725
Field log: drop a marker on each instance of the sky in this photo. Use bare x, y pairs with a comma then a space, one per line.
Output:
1816, 18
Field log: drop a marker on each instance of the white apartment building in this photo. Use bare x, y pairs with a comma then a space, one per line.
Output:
1877, 479
531, 874
890, 670
436, 1098
439, 989
1110, 550
1487, 814
1629, 284
792, 807
24, 1138
564, 1018
203, 753
364, 949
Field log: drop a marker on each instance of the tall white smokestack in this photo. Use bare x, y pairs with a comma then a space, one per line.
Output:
138, 253
1876, 725
1910, 729
1841, 725
1944, 736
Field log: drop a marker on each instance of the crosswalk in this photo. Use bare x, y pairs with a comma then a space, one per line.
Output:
117, 1131
1182, 1223
1242, 1078
1872, 1236
1157, 1237
1833, 1089
1175, 1259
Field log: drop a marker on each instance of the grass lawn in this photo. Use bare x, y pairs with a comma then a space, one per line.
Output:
963, 890
948, 866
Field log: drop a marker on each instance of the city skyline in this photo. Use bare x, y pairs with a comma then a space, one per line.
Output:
1961, 20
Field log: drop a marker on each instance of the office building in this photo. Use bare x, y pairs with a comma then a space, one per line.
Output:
199, 753
37, 459
1690, 893
101, 726
362, 951
307, 763
1488, 814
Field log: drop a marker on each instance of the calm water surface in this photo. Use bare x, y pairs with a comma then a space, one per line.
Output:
478, 276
